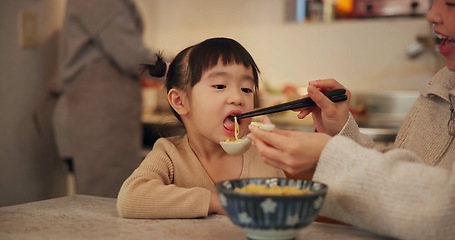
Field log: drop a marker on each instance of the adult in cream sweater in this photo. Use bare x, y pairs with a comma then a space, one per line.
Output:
407, 192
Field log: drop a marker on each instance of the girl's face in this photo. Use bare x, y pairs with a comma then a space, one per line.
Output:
221, 92
442, 15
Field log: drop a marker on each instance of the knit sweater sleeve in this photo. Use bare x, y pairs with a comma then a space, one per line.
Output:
352, 131
390, 193
150, 192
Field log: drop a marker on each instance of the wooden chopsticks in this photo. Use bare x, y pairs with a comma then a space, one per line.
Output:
336, 96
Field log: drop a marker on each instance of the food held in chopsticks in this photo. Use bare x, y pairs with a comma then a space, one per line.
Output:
336, 96
236, 131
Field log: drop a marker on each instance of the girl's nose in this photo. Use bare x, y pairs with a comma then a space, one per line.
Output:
432, 16
235, 97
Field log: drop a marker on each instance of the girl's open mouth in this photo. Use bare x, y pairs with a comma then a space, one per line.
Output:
229, 124
447, 46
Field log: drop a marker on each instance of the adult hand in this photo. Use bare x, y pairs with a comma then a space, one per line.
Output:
292, 151
328, 117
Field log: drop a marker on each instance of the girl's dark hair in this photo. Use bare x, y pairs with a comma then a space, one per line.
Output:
187, 68
159, 69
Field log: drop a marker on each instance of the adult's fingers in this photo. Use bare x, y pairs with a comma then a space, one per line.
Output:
319, 98
267, 150
275, 131
273, 156
326, 84
303, 112
276, 138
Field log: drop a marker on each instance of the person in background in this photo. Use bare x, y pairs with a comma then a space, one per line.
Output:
407, 192
100, 55
206, 83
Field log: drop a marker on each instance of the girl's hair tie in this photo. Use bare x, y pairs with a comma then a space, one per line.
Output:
159, 69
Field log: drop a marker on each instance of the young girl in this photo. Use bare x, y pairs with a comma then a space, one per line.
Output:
206, 83
404, 193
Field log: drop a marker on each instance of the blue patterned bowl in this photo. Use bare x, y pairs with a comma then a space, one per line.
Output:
271, 216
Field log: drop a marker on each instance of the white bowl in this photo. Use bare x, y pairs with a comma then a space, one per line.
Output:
236, 147
241, 146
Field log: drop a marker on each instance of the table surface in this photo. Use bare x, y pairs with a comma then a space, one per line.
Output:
89, 217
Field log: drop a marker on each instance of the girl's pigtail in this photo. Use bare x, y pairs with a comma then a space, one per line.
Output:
159, 69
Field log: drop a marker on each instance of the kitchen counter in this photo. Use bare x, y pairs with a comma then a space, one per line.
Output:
89, 217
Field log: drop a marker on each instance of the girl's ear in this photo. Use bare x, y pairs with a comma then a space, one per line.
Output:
177, 100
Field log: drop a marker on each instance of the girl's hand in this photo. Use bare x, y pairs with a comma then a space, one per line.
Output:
215, 205
328, 117
292, 151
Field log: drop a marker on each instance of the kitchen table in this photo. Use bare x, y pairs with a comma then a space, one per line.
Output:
89, 217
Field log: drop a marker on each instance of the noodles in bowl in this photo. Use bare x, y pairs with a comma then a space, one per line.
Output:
271, 190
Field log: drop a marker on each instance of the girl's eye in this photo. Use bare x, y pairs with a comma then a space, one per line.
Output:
219, 86
450, 4
247, 90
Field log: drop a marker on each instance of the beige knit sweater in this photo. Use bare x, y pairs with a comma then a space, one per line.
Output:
172, 183
407, 192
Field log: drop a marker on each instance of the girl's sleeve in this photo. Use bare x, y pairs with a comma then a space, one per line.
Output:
392, 193
150, 193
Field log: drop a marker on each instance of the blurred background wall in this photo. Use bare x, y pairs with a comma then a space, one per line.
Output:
30, 169
363, 54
